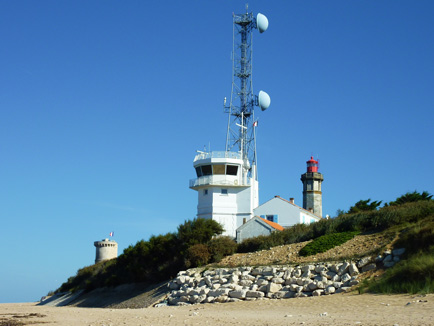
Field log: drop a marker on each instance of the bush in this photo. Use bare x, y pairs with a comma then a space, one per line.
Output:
220, 247
326, 242
197, 255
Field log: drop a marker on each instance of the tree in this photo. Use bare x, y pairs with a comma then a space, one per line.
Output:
196, 231
410, 197
364, 205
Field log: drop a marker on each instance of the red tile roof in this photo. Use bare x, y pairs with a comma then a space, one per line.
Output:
272, 224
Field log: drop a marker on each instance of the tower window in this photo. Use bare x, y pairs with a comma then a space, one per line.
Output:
205, 192
224, 192
232, 169
218, 169
206, 169
198, 172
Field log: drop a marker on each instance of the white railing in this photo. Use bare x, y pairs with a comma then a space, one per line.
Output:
218, 154
217, 180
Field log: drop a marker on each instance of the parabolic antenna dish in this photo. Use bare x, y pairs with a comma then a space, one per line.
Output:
261, 23
264, 100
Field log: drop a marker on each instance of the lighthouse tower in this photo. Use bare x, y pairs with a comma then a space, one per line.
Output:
227, 181
312, 195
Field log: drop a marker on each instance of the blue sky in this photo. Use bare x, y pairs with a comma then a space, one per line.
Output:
104, 103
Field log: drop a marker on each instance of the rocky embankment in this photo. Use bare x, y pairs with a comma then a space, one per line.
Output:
273, 282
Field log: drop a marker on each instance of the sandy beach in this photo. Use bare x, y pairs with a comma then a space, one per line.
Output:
338, 309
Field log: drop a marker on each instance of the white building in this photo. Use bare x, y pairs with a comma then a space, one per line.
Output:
285, 212
255, 227
226, 192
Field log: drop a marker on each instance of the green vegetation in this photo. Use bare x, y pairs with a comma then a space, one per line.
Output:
195, 244
364, 221
363, 206
326, 242
415, 273
157, 259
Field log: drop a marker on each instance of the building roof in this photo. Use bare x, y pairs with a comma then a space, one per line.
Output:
312, 213
273, 224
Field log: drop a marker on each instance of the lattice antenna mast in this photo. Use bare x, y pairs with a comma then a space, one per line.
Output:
240, 132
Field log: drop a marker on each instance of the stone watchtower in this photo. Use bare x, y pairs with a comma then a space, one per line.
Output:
312, 195
105, 249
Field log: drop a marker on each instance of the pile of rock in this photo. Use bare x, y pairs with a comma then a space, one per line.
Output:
276, 282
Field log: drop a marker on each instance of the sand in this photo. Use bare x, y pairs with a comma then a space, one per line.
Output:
337, 309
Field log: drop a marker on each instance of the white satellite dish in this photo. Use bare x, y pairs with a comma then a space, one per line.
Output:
264, 100
261, 23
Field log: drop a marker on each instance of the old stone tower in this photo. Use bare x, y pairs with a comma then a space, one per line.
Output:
105, 249
312, 195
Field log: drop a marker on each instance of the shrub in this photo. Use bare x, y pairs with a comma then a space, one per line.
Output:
326, 242
220, 247
414, 275
197, 255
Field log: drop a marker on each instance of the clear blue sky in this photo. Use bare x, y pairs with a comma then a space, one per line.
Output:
104, 103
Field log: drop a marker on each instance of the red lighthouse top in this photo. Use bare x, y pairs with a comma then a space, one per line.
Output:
312, 165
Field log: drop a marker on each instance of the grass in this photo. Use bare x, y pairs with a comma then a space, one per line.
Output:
326, 242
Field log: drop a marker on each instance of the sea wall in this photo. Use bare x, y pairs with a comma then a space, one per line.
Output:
272, 282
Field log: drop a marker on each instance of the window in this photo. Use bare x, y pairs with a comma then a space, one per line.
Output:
232, 169
272, 218
218, 169
206, 169
198, 172
205, 192
224, 191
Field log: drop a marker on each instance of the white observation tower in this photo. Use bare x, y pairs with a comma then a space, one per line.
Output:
227, 181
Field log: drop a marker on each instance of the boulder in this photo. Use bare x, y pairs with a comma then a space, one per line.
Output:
362, 262
254, 294
398, 251
273, 287
238, 294
353, 270
329, 290
369, 267
346, 277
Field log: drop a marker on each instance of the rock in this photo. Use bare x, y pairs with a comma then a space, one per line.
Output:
343, 289
245, 283
311, 286
389, 264
362, 262
320, 285
254, 294
369, 267
388, 258
346, 277
330, 290
398, 252
273, 287
240, 294
396, 259
343, 268
317, 293
278, 280
221, 299
353, 270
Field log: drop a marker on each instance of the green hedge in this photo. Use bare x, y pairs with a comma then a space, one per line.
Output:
326, 242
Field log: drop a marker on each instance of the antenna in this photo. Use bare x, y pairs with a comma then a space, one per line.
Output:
240, 132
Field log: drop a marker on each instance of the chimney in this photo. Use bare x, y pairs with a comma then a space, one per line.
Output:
291, 200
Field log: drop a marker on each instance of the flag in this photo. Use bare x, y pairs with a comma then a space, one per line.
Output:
255, 124
112, 234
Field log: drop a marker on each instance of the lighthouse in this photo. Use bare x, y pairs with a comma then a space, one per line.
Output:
227, 181
312, 194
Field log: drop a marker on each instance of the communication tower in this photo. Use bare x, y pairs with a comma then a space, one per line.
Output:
227, 181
